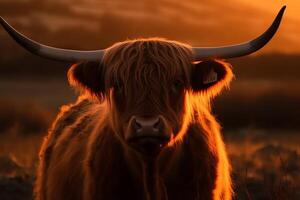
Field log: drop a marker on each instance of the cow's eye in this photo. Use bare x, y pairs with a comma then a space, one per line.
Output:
177, 85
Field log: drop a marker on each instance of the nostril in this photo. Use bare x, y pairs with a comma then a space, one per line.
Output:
137, 125
157, 124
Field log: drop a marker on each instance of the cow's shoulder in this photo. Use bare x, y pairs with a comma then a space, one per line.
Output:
71, 114
74, 121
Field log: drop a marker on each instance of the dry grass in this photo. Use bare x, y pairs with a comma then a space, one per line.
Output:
265, 169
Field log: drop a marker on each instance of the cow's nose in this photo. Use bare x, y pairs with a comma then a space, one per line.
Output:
150, 125
149, 134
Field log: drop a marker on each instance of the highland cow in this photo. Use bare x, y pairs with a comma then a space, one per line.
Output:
142, 127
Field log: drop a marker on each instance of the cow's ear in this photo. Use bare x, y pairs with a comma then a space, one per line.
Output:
88, 77
210, 76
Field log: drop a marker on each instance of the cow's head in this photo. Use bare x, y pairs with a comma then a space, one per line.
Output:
148, 82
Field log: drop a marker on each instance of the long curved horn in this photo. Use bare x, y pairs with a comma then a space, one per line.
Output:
51, 52
242, 49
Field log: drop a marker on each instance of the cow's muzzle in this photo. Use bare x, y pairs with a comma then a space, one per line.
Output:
148, 135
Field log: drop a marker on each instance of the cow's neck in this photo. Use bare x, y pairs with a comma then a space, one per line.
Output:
146, 171
153, 186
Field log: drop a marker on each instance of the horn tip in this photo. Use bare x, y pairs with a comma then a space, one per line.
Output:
280, 13
282, 9
2, 19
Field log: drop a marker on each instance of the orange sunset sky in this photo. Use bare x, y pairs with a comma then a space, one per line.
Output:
288, 38
206, 22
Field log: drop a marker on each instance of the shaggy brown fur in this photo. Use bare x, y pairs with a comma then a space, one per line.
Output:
85, 155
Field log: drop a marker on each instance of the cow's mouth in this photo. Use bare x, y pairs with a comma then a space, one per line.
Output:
148, 145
